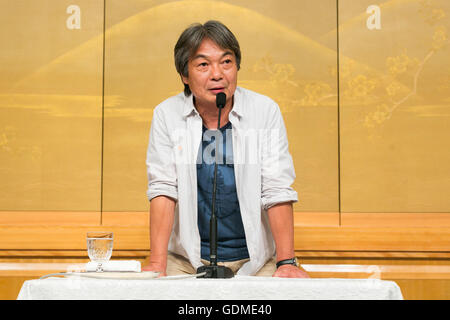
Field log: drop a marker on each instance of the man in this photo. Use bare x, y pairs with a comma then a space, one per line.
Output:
254, 197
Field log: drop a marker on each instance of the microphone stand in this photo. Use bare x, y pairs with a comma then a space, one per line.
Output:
213, 270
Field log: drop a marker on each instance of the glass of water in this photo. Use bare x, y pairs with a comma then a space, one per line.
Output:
99, 247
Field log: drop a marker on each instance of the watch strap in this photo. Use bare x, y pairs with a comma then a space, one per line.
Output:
292, 261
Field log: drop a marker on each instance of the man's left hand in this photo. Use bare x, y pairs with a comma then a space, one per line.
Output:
290, 271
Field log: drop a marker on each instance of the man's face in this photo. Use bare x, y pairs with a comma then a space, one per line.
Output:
211, 70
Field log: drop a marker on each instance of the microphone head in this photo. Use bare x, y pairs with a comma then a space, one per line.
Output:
221, 100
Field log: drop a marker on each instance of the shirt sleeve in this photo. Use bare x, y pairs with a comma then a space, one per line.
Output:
277, 167
161, 168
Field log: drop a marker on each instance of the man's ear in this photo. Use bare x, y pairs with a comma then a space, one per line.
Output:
184, 79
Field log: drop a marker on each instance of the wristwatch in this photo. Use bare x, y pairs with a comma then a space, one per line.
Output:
292, 261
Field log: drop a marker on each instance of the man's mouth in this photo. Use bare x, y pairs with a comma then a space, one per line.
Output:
217, 90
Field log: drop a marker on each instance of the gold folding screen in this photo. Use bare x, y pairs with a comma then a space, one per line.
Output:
395, 115
77, 93
280, 59
50, 105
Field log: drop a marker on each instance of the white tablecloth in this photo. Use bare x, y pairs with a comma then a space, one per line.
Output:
237, 288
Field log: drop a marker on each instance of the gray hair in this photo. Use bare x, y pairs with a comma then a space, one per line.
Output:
192, 37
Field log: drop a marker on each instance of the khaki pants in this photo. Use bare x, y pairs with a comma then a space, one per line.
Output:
179, 265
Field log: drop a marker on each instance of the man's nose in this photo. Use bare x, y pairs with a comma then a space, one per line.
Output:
216, 72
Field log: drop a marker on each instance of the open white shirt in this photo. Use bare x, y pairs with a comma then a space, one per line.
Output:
263, 167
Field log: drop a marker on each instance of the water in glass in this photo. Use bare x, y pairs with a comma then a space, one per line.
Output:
99, 246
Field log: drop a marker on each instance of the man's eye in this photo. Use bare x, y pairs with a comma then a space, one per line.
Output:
228, 61
203, 64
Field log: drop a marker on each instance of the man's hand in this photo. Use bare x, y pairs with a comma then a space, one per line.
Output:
156, 263
290, 271
155, 267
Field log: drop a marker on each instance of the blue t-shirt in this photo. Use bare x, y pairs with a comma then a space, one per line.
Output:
231, 244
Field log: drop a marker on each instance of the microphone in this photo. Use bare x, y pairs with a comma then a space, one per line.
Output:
221, 100
213, 270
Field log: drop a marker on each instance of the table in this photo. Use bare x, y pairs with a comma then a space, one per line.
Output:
237, 288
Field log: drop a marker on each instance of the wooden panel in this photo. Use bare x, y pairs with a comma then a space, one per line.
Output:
8, 254
126, 218
323, 256
324, 219
10, 287
306, 238
426, 289
384, 272
72, 238
372, 239
49, 218
395, 220
132, 233
400, 255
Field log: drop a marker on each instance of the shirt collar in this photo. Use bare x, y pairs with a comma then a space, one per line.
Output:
237, 103
189, 107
